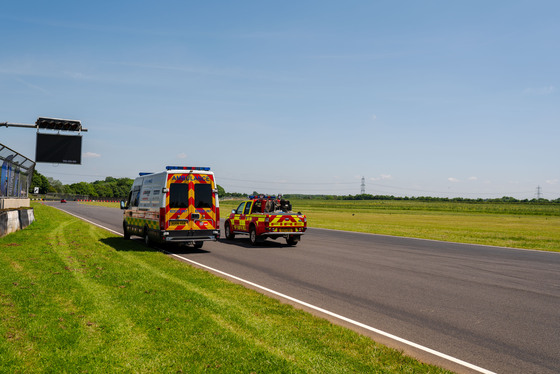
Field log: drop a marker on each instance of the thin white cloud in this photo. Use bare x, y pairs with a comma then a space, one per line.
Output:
473, 178
546, 90
382, 177
453, 180
91, 155
182, 156
33, 86
552, 181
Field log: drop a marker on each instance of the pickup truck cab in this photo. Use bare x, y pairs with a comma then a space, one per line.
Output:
263, 217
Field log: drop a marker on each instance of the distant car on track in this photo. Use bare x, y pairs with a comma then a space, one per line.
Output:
62, 200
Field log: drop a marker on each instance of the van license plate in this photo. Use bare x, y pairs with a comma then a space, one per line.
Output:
178, 222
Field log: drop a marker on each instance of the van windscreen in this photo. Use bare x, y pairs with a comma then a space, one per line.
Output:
179, 195
202, 195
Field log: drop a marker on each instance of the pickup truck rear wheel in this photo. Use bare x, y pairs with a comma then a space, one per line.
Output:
229, 234
292, 240
253, 235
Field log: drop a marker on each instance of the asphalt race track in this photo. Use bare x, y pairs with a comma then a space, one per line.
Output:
495, 308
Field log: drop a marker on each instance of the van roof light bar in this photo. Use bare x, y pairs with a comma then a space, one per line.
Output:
205, 168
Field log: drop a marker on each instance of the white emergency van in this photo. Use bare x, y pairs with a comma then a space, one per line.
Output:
179, 205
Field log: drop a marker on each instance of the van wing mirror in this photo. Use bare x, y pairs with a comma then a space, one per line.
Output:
123, 204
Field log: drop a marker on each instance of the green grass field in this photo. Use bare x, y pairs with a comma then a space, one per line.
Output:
515, 225
530, 226
76, 299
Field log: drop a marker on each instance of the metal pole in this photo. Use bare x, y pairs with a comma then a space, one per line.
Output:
7, 124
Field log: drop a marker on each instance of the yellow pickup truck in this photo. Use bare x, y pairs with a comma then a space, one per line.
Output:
263, 217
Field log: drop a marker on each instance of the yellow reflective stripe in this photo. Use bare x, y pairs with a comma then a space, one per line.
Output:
152, 224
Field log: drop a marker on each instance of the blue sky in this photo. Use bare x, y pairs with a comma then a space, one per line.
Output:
433, 98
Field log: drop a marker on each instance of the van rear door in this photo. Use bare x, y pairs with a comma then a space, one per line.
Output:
177, 204
202, 203
191, 202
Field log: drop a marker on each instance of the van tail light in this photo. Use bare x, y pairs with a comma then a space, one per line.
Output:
162, 219
217, 218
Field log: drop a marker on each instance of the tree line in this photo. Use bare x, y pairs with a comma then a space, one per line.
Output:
110, 188
504, 199
114, 188
118, 188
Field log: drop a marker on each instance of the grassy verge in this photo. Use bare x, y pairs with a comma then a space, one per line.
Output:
530, 226
74, 298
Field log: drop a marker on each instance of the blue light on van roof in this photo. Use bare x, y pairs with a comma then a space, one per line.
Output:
142, 174
205, 168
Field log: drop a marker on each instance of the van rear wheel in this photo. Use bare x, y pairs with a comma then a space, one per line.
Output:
198, 245
147, 240
126, 233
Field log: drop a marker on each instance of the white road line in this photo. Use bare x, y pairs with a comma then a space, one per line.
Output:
342, 318
435, 240
88, 221
337, 316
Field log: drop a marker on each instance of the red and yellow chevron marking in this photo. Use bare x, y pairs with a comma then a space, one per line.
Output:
283, 223
181, 219
239, 224
286, 221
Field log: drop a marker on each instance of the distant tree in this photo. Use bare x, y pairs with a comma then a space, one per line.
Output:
55, 185
122, 187
221, 191
83, 188
103, 190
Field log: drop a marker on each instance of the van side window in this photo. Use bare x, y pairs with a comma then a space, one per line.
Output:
128, 200
202, 195
135, 196
179, 195
240, 208
248, 207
